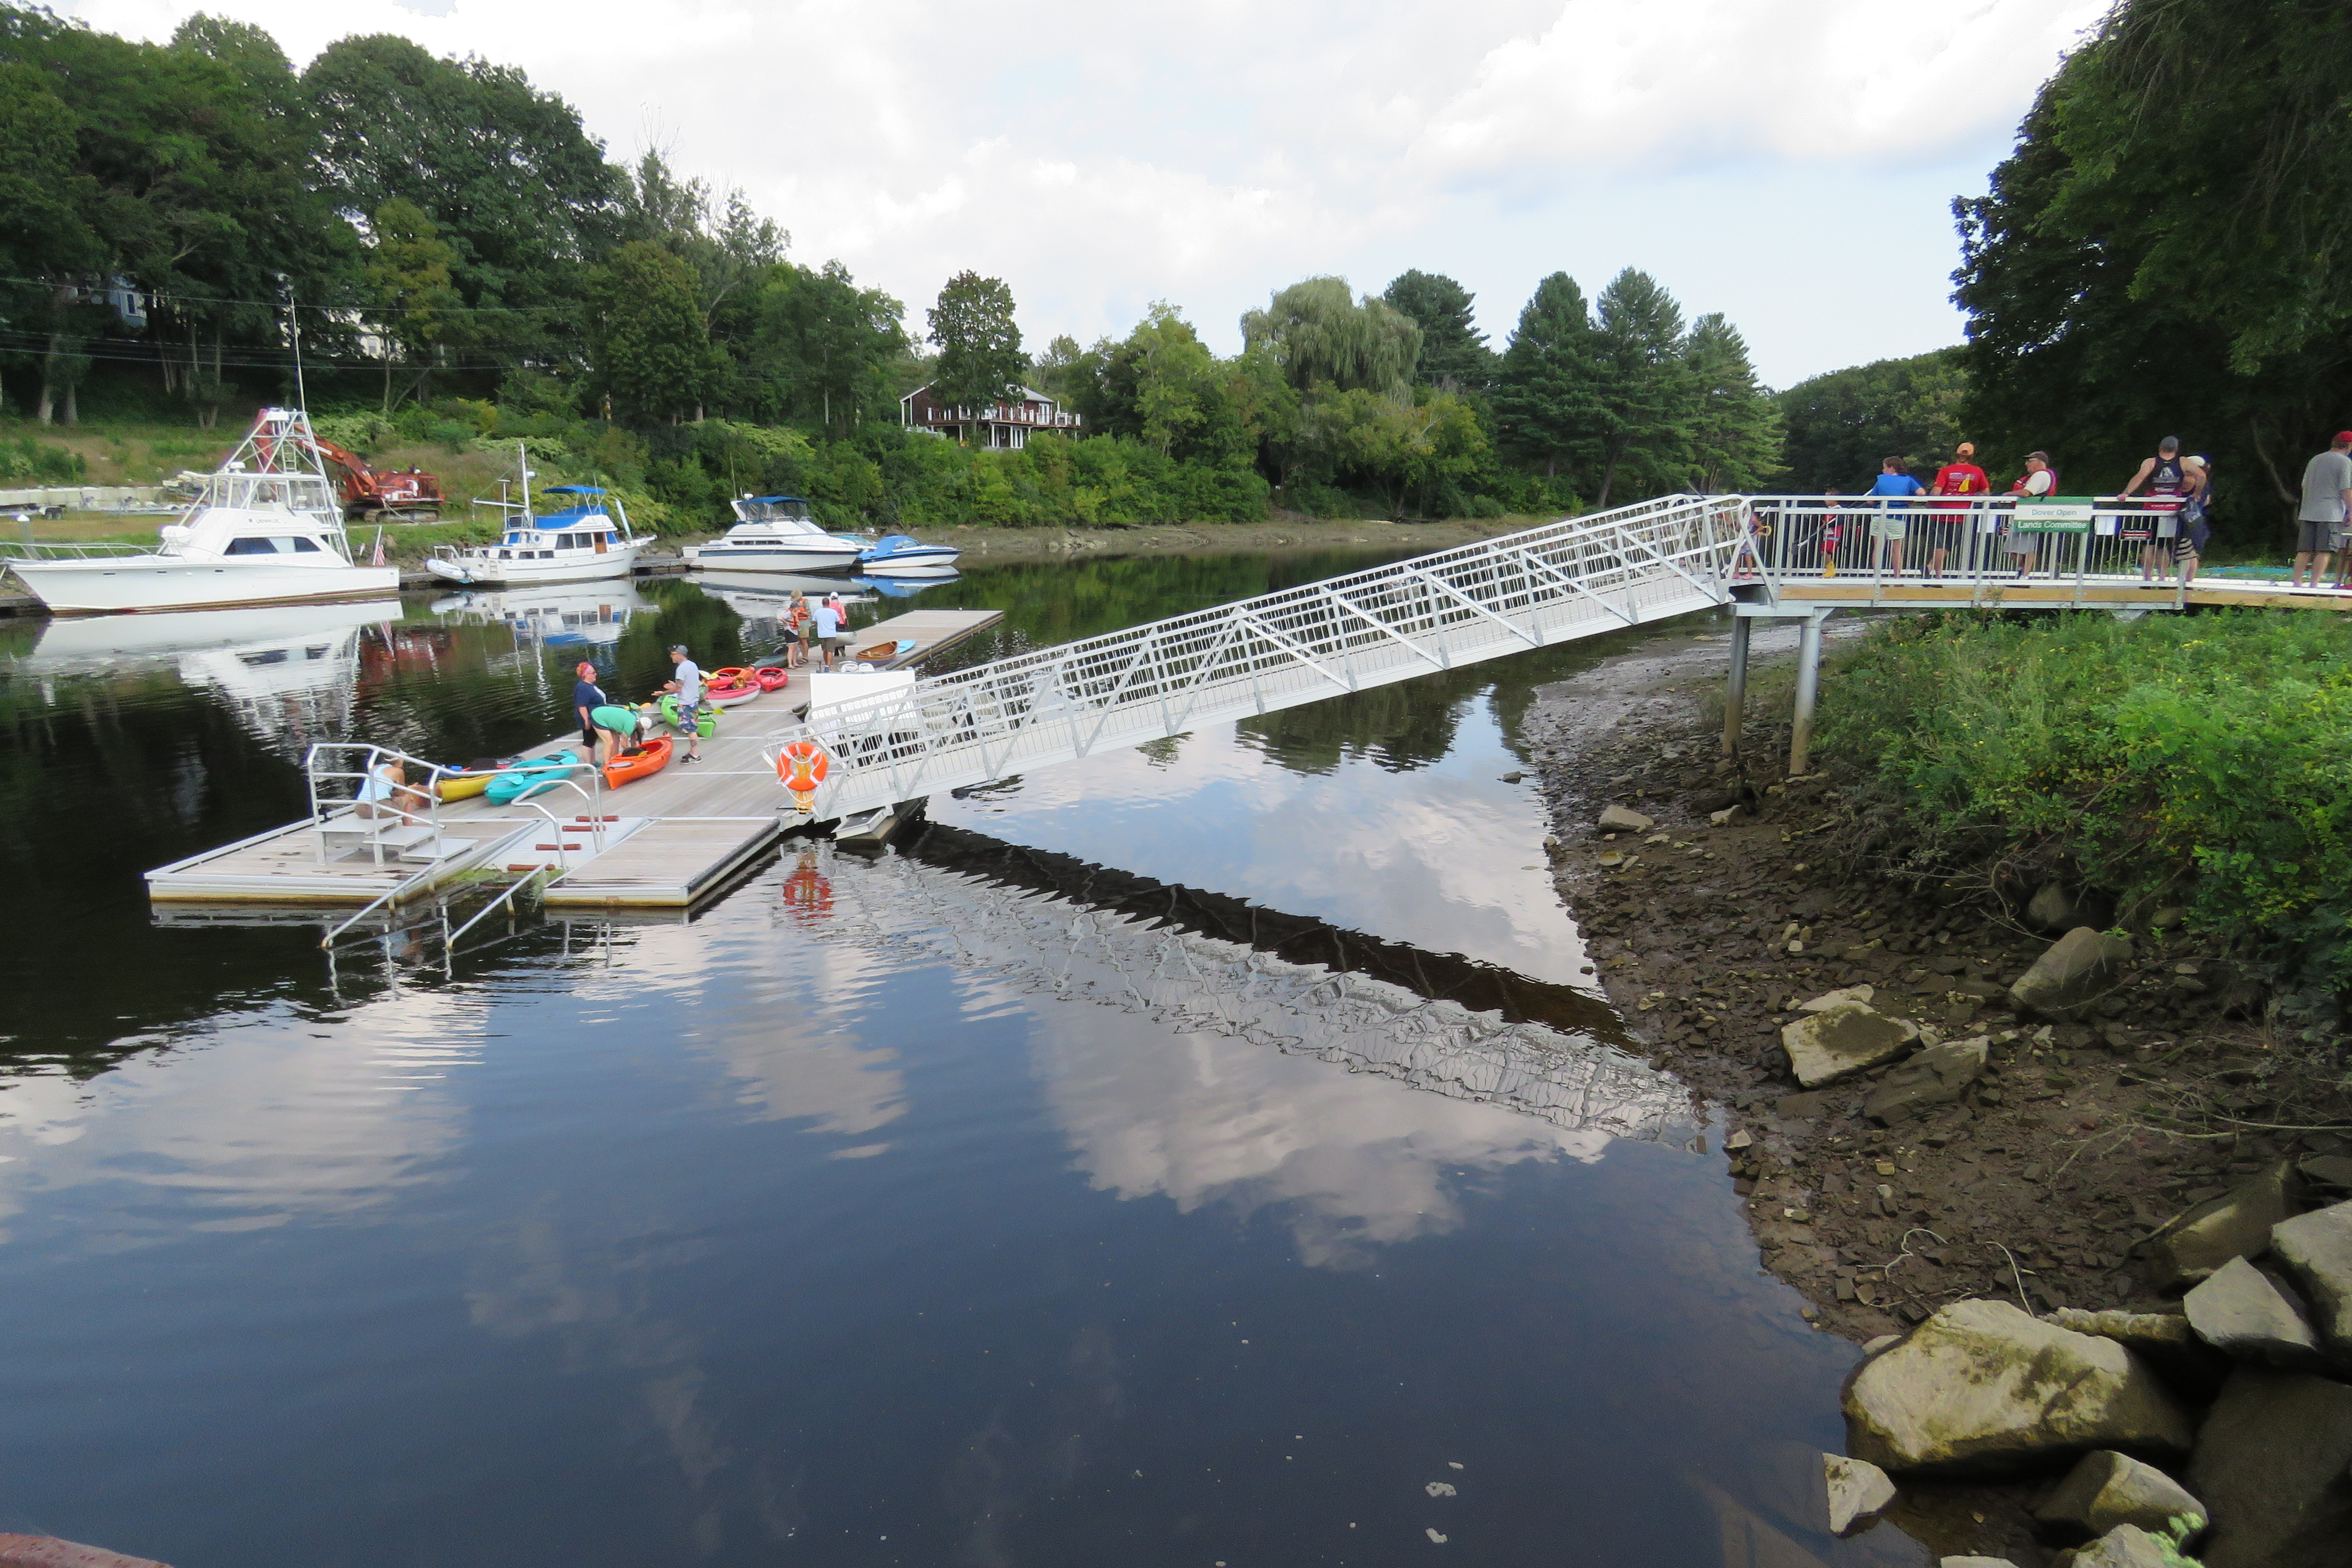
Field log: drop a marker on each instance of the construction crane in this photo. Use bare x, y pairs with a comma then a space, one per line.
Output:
393, 495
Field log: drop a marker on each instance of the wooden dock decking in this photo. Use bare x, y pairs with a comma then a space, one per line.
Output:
677, 837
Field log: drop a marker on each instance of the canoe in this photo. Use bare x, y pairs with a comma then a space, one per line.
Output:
886, 650
732, 672
646, 760
772, 676
525, 780
457, 783
726, 694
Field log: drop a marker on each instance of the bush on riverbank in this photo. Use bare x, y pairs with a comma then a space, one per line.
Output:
2193, 760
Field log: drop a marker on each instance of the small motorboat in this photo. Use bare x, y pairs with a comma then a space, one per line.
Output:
900, 555
527, 779
639, 761
884, 652
773, 676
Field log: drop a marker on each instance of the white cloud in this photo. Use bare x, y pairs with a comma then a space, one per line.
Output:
1099, 159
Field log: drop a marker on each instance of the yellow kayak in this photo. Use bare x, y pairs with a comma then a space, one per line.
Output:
463, 786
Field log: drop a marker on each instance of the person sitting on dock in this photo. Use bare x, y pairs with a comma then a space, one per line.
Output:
586, 698
385, 792
688, 685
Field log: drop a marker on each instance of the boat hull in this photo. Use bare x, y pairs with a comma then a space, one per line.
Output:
136, 585
493, 573
913, 564
776, 558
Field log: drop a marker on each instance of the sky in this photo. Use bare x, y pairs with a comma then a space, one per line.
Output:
1789, 162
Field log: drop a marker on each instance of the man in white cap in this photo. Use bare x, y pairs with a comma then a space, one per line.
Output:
687, 684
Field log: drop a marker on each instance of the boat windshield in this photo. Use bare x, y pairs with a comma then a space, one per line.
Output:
788, 514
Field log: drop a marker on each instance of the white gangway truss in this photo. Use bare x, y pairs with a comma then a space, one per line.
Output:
1527, 590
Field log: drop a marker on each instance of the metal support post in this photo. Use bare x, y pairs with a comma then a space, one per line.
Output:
1735, 694
1808, 686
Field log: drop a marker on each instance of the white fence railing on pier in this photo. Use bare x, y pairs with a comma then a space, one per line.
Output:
1549, 584
1982, 541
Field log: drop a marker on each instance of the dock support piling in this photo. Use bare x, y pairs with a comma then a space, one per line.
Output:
1735, 693
1808, 686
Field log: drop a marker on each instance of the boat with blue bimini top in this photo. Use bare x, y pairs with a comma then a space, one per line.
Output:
898, 556
776, 533
580, 543
267, 528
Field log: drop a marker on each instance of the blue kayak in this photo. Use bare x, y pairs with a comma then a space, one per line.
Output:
527, 779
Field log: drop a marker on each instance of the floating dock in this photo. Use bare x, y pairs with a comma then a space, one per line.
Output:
665, 842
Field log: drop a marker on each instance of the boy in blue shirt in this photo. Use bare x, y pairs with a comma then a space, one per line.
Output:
1890, 525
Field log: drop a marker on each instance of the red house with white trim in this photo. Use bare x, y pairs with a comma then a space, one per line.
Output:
1005, 424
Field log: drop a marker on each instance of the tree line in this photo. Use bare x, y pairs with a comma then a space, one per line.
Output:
469, 263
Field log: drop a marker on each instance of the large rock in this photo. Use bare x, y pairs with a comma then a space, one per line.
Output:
1842, 1040
2163, 1340
1982, 1388
1858, 1491
2076, 970
2194, 1243
2271, 1465
2052, 909
1625, 819
2241, 1310
2316, 1250
2108, 1489
2126, 1546
1936, 1076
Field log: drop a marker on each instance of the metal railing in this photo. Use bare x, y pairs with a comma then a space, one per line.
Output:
31, 550
334, 786
1544, 585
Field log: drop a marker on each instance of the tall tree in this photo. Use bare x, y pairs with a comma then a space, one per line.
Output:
1735, 434
1453, 352
645, 337
1322, 336
1646, 402
410, 298
978, 340
519, 189
45, 235
1548, 387
2169, 250
829, 348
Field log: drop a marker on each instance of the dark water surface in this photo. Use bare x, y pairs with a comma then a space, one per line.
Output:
938, 1209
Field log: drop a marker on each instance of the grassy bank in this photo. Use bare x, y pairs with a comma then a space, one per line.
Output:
2195, 763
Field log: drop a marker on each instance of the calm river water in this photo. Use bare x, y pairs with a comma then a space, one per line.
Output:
933, 1209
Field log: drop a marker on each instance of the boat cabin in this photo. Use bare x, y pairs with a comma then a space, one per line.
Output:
581, 525
272, 514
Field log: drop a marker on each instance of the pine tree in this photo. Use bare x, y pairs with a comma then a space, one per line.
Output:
1735, 433
1547, 391
1453, 352
1647, 401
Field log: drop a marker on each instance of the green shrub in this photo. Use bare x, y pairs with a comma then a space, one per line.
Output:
2203, 761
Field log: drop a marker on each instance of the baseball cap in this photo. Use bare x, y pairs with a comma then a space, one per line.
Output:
1968, 449
677, 648
2169, 444
2342, 437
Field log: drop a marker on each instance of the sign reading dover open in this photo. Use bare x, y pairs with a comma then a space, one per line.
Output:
2059, 514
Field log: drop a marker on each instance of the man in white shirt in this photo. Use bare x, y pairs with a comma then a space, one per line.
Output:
828, 629
687, 684
2326, 506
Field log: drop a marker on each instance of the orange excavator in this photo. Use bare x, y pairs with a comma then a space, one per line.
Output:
393, 495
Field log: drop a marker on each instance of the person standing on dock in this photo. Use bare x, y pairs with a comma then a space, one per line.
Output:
586, 698
1890, 523
2168, 478
796, 629
687, 683
2327, 504
828, 630
1954, 525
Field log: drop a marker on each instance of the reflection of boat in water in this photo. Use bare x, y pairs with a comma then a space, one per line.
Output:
763, 595
557, 615
289, 672
906, 587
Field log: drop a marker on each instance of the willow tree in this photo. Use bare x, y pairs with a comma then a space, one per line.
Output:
1322, 336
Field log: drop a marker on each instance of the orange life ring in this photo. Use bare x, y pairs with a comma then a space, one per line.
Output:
802, 766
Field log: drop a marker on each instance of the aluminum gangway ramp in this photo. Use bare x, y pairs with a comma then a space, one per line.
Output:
1550, 585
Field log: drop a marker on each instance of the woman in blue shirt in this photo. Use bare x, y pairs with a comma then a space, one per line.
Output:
1890, 523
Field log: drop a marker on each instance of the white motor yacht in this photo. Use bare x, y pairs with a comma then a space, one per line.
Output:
267, 528
577, 544
776, 533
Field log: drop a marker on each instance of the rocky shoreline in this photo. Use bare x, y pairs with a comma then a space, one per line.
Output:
1975, 1137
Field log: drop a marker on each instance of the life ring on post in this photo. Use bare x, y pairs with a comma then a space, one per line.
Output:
801, 766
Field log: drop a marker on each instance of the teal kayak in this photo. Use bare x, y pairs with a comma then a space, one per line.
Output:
527, 779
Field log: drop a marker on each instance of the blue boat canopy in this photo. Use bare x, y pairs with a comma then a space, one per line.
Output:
803, 500
572, 491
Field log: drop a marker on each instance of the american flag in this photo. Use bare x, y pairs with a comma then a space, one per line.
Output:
379, 547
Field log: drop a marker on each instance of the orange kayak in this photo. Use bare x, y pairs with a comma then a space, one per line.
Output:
646, 760
772, 676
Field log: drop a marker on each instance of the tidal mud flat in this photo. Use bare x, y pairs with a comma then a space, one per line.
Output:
1943, 1108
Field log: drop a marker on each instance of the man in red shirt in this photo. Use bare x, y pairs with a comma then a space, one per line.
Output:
1960, 477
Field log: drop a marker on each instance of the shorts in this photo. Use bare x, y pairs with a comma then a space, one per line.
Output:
2315, 538
1889, 527
2026, 544
835, 644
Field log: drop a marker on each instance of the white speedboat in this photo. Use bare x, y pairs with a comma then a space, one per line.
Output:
897, 555
577, 544
266, 527
776, 533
